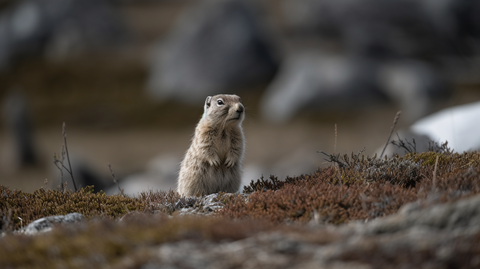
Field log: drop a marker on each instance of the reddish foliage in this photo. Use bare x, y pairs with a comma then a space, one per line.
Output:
367, 188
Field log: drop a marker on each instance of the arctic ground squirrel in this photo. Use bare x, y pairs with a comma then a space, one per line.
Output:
213, 163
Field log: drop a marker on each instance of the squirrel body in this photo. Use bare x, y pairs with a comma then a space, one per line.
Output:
213, 163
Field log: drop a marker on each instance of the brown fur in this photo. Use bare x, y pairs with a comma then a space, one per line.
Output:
213, 163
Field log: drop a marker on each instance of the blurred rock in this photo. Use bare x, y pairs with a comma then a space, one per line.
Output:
251, 172
217, 46
416, 237
58, 29
413, 141
204, 206
314, 81
160, 174
399, 28
414, 85
84, 173
18, 123
301, 161
461, 216
46, 224
455, 125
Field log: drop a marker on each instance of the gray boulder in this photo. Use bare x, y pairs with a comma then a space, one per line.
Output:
319, 82
377, 28
412, 142
455, 125
46, 224
57, 28
416, 237
314, 81
18, 123
160, 174
217, 46
415, 86
458, 216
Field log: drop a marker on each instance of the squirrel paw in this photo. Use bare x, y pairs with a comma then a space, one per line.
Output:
229, 162
214, 161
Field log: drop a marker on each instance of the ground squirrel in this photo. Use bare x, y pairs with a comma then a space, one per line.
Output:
213, 163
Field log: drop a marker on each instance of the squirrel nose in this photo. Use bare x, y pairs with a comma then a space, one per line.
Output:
240, 109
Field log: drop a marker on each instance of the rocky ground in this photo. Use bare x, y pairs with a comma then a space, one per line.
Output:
421, 210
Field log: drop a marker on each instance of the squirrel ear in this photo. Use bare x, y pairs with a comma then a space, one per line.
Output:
207, 101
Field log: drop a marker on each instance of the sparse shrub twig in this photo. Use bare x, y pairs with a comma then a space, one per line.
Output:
439, 148
335, 145
335, 158
395, 120
410, 147
435, 174
60, 164
115, 180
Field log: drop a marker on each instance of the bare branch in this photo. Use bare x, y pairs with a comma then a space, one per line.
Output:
395, 120
115, 179
70, 171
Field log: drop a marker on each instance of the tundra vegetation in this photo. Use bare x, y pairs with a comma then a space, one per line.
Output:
353, 189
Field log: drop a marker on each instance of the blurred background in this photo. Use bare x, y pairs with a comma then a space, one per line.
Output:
129, 78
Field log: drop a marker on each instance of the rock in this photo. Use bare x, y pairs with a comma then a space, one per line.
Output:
300, 161
414, 85
459, 216
217, 46
414, 237
18, 123
46, 224
400, 28
84, 173
314, 81
265, 250
57, 28
310, 80
206, 205
160, 174
422, 143
455, 125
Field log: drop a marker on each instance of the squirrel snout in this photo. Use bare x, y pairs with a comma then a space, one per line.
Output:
240, 108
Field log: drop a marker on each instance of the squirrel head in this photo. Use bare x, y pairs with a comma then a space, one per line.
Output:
224, 108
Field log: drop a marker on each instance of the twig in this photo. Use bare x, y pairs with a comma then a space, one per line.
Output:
435, 173
333, 158
410, 147
59, 165
335, 145
115, 179
64, 133
361, 151
395, 120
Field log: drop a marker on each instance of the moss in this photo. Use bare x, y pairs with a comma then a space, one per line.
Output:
455, 159
23, 208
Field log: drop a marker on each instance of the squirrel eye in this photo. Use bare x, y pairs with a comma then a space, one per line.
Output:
220, 102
